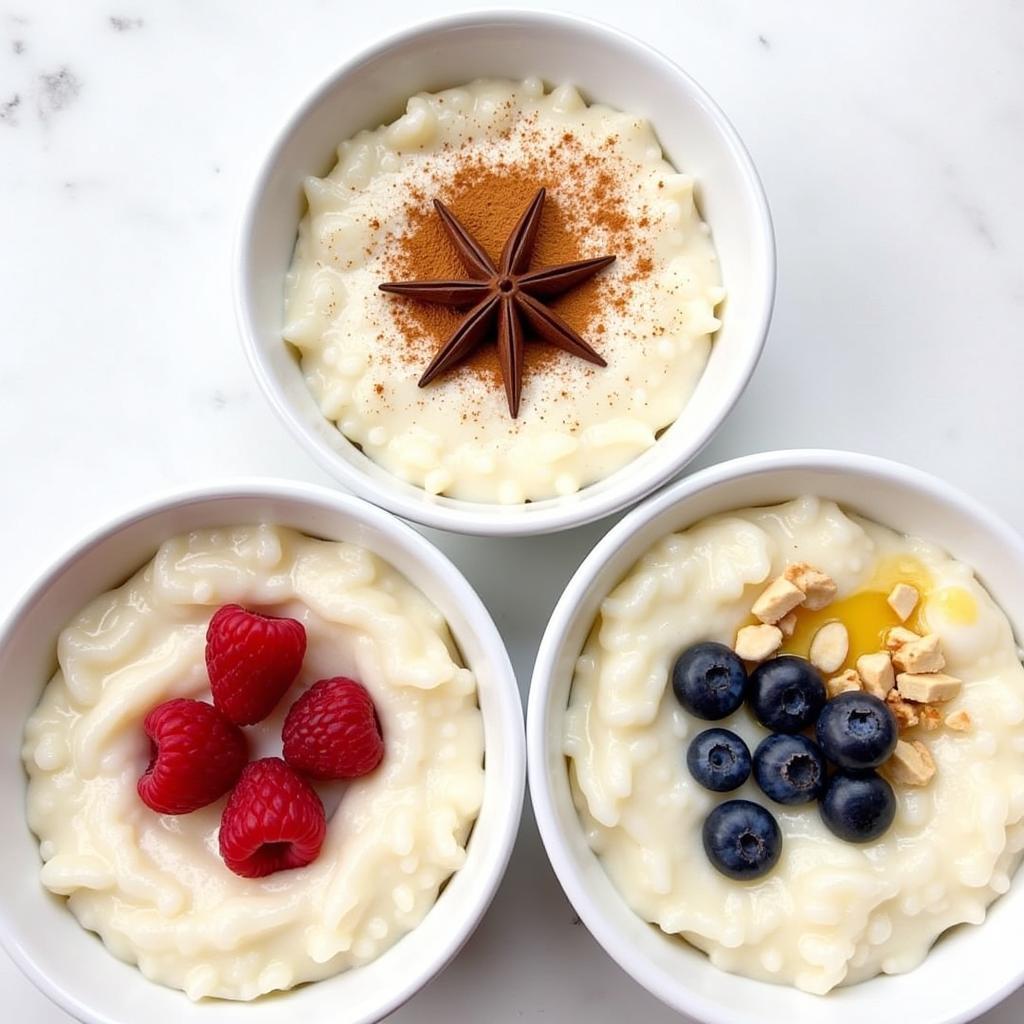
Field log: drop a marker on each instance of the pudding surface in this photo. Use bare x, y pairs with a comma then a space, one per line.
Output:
154, 886
484, 150
829, 912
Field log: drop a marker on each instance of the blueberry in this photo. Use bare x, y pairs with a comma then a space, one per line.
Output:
790, 769
858, 808
742, 839
786, 694
719, 760
857, 731
709, 680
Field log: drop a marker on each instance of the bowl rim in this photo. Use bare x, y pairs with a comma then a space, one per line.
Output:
550, 649
487, 518
508, 700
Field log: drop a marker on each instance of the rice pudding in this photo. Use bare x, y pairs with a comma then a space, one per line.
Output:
828, 911
485, 150
154, 886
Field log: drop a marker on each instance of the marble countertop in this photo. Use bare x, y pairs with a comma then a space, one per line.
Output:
890, 139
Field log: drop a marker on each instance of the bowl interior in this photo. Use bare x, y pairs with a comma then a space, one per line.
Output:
46, 939
609, 68
981, 959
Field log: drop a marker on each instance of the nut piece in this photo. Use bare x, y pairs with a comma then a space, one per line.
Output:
778, 599
898, 636
876, 672
904, 713
755, 643
918, 656
910, 764
819, 587
829, 647
927, 688
787, 624
959, 720
903, 600
931, 718
842, 683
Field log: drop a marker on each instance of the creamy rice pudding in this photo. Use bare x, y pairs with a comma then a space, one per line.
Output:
154, 886
905, 628
485, 150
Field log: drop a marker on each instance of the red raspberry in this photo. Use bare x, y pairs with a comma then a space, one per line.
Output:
251, 660
332, 731
273, 821
197, 755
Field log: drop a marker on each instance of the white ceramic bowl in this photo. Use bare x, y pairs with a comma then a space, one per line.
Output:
970, 968
70, 964
609, 67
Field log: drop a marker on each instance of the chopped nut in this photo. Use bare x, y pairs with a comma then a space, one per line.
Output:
903, 600
959, 720
829, 647
755, 643
819, 587
904, 713
927, 688
787, 624
919, 656
778, 599
842, 683
876, 672
910, 764
931, 718
898, 636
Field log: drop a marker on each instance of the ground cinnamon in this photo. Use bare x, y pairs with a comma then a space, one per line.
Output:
583, 196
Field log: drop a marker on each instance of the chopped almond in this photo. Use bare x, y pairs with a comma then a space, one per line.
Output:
777, 600
898, 636
787, 624
904, 712
927, 688
876, 672
842, 683
830, 646
919, 656
959, 720
755, 643
819, 587
931, 718
910, 765
903, 600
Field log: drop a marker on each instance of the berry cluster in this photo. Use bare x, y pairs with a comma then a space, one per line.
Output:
854, 732
273, 819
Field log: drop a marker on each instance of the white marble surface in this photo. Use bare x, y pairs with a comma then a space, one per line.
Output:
889, 137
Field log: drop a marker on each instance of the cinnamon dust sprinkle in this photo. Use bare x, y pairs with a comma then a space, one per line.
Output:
586, 214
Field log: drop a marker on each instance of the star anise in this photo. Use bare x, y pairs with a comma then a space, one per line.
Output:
509, 293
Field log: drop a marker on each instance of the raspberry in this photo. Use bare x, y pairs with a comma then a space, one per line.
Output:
251, 660
197, 755
273, 821
332, 731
